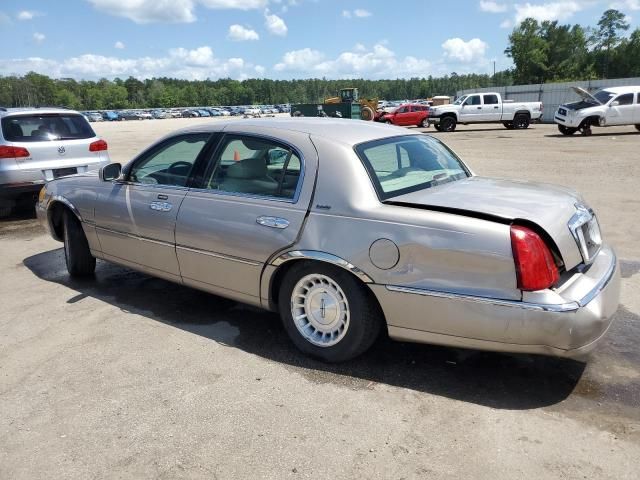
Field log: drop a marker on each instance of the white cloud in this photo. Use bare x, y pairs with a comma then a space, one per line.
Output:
358, 13
39, 37
169, 11
27, 15
626, 5
275, 24
493, 7
377, 62
465, 52
238, 33
561, 10
299, 60
196, 64
361, 13
506, 24
119, 45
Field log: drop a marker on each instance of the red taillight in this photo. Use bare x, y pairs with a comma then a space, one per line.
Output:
535, 267
98, 146
7, 151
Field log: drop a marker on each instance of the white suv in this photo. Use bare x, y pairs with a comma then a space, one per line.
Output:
609, 106
41, 144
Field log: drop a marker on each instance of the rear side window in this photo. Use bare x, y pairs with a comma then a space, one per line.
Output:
46, 127
490, 99
405, 164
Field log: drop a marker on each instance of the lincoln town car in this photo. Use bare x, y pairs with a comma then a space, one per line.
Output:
348, 229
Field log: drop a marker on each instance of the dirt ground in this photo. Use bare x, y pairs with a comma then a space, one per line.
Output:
127, 376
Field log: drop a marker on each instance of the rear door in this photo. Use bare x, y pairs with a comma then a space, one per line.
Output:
135, 218
491, 111
250, 204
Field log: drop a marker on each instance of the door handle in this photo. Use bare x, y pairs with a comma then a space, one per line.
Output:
272, 222
479, 108
162, 196
495, 107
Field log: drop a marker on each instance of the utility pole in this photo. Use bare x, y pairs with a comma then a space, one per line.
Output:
494, 73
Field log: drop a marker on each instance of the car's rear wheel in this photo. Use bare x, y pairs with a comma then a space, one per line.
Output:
437, 127
327, 312
448, 124
521, 121
566, 130
638, 127
80, 262
424, 123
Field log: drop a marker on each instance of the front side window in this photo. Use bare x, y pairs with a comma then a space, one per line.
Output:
603, 96
406, 164
255, 166
46, 127
171, 162
626, 99
473, 100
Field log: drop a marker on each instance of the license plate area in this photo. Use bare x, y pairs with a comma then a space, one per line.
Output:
63, 172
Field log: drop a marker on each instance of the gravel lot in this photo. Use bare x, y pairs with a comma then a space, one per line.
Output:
127, 376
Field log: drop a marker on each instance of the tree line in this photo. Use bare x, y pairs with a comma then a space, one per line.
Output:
36, 89
541, 52
549, 52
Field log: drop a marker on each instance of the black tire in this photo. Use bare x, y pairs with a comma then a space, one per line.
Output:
424, 123
566, 130
521, 121
5, 211
586, 132
437, 127
638, 127
388, 122
80, 262
448, 124
508, 125
365, 317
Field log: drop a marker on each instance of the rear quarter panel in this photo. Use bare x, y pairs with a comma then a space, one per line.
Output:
437, 251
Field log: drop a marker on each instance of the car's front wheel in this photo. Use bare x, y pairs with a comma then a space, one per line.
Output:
424, 123
638, 127
80, 262
566, 130
327, 312
508, 125
448, 124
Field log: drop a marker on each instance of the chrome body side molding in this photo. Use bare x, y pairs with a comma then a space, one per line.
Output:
321, 257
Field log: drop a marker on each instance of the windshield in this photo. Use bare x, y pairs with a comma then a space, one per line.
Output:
405, 164
460, 100
46, 127
604, 96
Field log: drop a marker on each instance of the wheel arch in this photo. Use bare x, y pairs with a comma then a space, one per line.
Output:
522, 112
55, 211
286, 261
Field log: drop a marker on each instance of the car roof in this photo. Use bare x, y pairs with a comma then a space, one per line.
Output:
629, 88
348, 132
34, 110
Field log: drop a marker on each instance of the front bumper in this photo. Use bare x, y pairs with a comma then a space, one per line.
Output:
570, 328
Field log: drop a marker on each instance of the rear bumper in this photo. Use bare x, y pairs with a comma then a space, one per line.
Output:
568, 329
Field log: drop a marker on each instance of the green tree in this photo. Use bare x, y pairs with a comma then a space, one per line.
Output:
607, 37
529, 51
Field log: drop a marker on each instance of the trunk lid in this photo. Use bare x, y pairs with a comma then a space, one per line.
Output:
548, 206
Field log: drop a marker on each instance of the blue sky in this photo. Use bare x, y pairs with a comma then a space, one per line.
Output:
280, 39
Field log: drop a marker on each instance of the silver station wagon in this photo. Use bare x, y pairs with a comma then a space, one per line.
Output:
347, 228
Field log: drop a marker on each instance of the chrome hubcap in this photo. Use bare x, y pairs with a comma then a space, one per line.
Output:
320, 310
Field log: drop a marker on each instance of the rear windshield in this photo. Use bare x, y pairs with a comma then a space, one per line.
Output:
406, 164
46, 127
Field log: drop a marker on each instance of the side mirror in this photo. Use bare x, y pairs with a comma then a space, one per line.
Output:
110, 172
615, 103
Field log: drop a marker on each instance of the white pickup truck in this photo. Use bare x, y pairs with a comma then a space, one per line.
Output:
484, 108
609, 106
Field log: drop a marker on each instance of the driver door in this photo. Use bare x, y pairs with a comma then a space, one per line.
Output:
136, 218
471, 109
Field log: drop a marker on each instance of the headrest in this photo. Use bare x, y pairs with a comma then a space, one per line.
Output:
250, 168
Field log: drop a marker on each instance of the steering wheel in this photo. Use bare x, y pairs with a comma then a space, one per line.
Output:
180, 163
